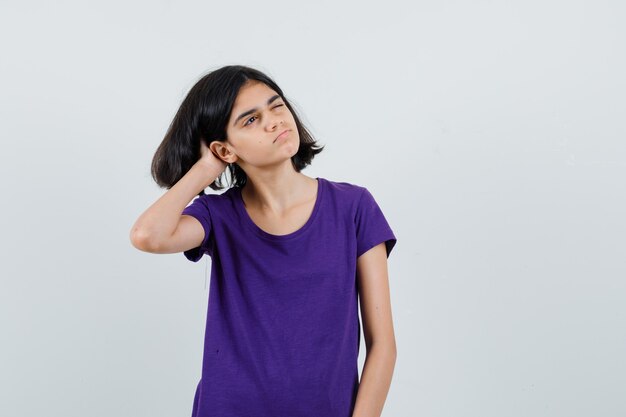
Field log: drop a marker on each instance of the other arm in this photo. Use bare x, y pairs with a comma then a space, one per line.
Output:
378, 332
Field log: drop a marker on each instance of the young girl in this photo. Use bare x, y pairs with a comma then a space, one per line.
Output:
290, 255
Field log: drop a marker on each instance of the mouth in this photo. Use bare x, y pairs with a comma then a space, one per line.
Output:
281, 134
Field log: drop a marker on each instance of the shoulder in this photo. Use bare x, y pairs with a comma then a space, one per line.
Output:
345, 191
349, 197
211, 204
213, 198
355, 199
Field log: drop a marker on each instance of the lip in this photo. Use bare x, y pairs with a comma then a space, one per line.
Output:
281, 134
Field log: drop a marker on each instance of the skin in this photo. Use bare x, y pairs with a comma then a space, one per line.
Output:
380, 341
280, 200
275, 192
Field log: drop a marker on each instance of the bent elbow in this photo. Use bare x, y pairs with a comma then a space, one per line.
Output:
141, 240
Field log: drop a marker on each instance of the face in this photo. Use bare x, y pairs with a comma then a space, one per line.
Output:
258, 117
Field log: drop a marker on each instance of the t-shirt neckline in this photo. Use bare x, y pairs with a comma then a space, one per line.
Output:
262, 233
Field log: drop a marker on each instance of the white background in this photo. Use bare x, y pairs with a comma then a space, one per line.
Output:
490, 133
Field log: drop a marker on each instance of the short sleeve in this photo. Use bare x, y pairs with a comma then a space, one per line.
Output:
199, 208
372, 227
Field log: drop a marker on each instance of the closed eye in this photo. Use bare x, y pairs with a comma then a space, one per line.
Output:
246, 123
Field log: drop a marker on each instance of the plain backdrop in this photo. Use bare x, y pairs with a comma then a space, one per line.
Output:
491, 133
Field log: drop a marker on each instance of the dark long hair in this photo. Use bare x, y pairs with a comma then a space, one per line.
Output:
203, 115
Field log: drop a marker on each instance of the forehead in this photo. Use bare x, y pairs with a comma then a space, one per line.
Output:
252, 95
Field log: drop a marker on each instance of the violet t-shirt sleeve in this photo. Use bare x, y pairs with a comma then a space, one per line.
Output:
199, 208
372, 227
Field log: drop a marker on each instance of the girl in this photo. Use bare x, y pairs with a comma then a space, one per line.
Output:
290, 257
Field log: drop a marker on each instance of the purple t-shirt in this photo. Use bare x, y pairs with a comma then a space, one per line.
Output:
282, 330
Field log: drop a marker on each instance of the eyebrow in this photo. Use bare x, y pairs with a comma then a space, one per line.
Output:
244, 114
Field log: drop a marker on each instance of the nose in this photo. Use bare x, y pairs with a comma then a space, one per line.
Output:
275, 122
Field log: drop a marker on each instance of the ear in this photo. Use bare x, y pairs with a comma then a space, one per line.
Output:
222, 150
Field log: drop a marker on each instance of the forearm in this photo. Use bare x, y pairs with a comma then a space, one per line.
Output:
375, 381
160, 220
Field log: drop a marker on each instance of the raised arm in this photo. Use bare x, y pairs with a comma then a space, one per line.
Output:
162, 228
